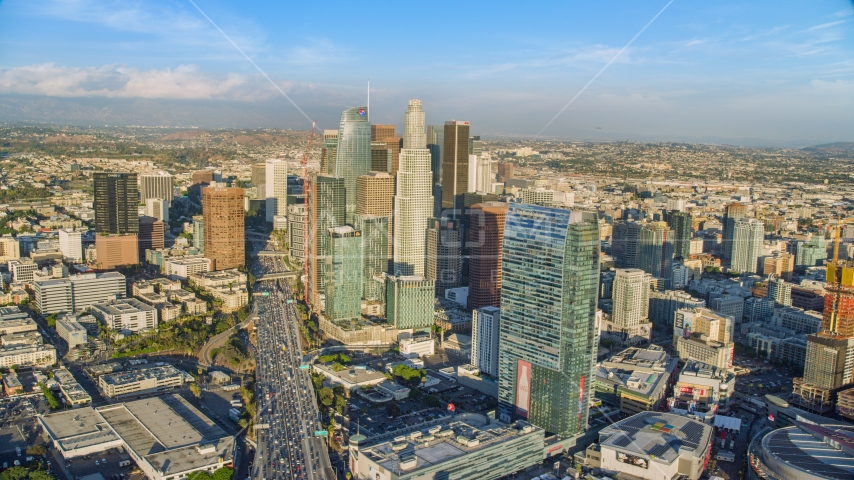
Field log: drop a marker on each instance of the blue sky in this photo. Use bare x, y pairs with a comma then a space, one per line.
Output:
776, 70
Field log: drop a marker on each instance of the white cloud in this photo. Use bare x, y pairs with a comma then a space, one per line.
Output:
115, 81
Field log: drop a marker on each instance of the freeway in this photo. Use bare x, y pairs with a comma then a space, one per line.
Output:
287, 412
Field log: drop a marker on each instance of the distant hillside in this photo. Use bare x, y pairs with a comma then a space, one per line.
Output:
829, 147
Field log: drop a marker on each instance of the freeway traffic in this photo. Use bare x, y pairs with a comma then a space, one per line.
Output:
287, 412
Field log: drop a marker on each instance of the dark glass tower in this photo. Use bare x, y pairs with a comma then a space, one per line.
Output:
116, 200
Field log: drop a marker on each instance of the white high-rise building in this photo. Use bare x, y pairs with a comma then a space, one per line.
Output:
71, 245
484, 339
276, 188
156, 185
480, 173
747, 238
413, 202
629, 323
157, 208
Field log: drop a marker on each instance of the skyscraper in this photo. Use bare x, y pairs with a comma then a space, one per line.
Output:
344, 275
455, 163
380, 157
387, 134
485, 240
682, 225
444, 254
116, 198
625, 244
413, 202
151, 234
71, 245
199, 232
259, 180
376, 194
157, 208
435, 143
656, 252
276, 188
547, 348
326, 210
732, 212
156, 185
746, 245
353, 156
328, 151
485, 331
374, 255
631, 306
409, 302
222, 210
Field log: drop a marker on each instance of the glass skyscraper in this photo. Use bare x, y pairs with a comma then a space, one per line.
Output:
353, 155
344, 275
374, 230
409, 302
547, 348
327, 210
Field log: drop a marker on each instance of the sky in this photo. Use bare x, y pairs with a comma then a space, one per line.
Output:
728, 71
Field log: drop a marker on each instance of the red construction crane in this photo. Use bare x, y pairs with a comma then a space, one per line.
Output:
305, 190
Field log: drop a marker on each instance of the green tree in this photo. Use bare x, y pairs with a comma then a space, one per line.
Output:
196, 390
224, 473
415, 393
14, 473
340, 404
326, 396
41, 475
431, 401
36, 450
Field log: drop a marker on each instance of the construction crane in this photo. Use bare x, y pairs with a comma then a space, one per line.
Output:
305, 190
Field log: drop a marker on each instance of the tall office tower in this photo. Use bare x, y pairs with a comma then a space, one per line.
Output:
116, 200
156, 185
409, 302
157, 208
780, 291
353, 157
547, 348
276, 188
505, 171
631, 306
380, 157
375, 255
732, 212
259, 180
485, 329
297, 225
682, 225
328, 151
413, 202
475, 145
326, 202
10, 249
656, 252
435, 143
71, 245
344, 276
455, 163
625, 244
444, 254
199, 232
376, 197
222, 209
485, 241
151, 235
386, 134
747, 237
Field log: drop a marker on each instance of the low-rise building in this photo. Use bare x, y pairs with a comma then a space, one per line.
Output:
127, 314
652, 446
166, 436
164, 285
71, 331
137, 382
702, 391
396, 390
74, 394
350, 378
636, 379
803, 451
183, 268
28, 356
467, 445
12, 385
233, 298
16, 323
23, 339
415, 347
799, 320
221, 278
195, 306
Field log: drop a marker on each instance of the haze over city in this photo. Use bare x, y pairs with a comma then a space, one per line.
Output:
755, 73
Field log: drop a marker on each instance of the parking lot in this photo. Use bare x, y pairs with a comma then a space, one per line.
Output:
106, 463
